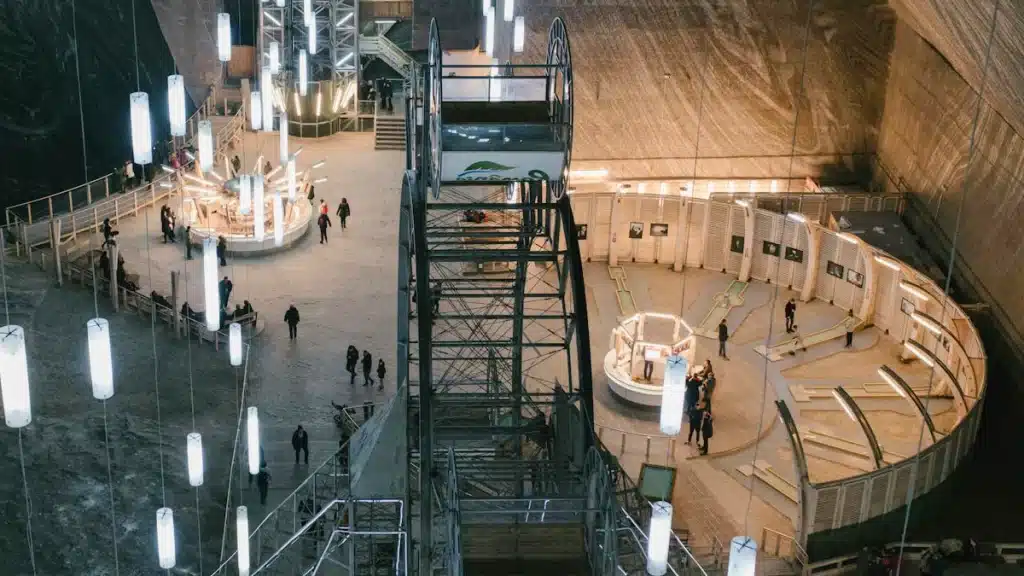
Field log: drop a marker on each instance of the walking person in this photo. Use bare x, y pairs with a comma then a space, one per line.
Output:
343, 212
263, 483
367, 367
291, 317
222, 250
435, 296
323, 222
188, 242
849, 329
300, 443
696, 421
351, 359
707, 428
790, 312
323, 207
381, 371
723, 335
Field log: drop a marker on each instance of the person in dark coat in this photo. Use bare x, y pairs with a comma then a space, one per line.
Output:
300, 443
188, 242
709, 388
291, 317
323, 222
692, 394
311, 194
696, 421
367, 367
707, 429
351, 359
790, 312
263, 483
236, 164
343, 212
222, 250
165, 222
225, 291
381, 371
435, 296
723, 335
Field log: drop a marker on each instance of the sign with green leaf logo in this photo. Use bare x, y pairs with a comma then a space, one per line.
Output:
493, 167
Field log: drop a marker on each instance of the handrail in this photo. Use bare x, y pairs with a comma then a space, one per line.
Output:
798, 552
388, 50
203, 110
690, 557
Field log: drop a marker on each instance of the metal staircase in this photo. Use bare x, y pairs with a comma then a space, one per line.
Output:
388, 132
383, 48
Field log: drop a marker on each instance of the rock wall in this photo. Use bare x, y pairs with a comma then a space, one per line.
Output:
925, 147
40, 124
190, 29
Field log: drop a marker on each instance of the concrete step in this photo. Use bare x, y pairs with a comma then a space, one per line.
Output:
522, 541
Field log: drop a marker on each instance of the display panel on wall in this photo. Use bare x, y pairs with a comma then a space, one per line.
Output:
737, 244
770, 248
581, 231
834, 269
855, 278
794, 255
659, 229
500, 166
636, 230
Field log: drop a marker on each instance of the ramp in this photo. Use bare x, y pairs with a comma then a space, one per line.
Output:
724, 302
798, 343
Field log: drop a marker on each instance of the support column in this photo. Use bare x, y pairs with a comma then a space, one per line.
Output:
112, 254
55, 248
682, 233
613, 234
811, 274
174, 303
748, 242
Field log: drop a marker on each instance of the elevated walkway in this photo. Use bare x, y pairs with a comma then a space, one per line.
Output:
800, 343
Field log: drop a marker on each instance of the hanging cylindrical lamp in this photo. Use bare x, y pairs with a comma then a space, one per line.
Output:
259, 224
194, 451
509, 10
303, 73
282, 120
235, 343
519, 34
210, 288
142, 132
275, 57
278, 220
256, 110
224, 37
100, 364
14, 377
165, 538
266, 91
206, 145
489, 32
280, 3
242, 537
176, 104
245, 194
311, 33
252, 427
307, 12
742, 556
658, 538
291, 179
673, 395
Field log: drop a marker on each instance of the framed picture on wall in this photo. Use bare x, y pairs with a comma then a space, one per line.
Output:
794, 255
636, 230
834, 269
907, 307
770, 248
737, 244
581, 231
659, 229
855, 278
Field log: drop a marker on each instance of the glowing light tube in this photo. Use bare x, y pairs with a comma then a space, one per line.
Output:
176, 103
278, 220
307, 12
242, 536
519, 34
510, 10
282, 121
142, 131
14, 377
914, 290
266, 89
658, 538
205, 145
673, 393
258, 209
319, 100
224, 37
291, 179
235, 343
311, 33
165, 538
252, 427
100, 365
245, 194
742, 556
275, 57
210, 288
489, 44
194, 449
303, 73
256, 109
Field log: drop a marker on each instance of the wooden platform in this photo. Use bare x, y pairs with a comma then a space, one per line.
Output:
765, 473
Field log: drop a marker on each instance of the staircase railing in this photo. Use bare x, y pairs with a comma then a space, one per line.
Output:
388, 51
680, 560
779, 545
453, 525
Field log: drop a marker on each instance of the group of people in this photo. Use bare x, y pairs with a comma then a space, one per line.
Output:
121, 275
700, 388
381, 88
352, 360
323, 221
